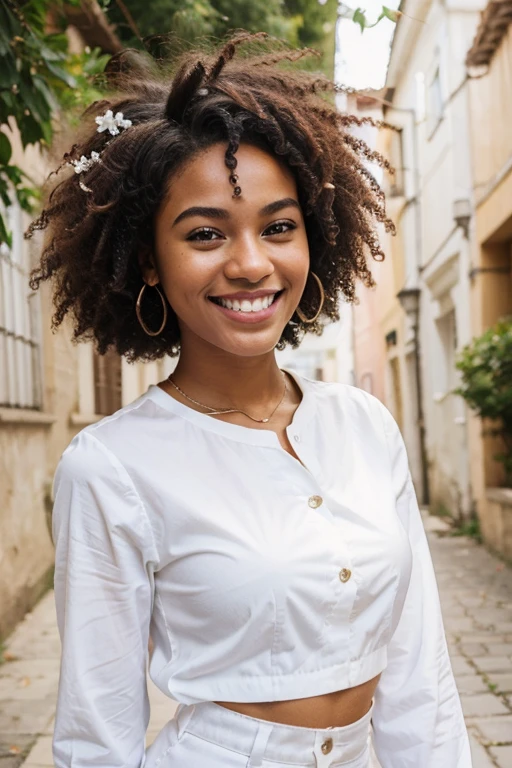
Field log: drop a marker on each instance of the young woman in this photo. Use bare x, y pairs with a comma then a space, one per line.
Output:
260, 527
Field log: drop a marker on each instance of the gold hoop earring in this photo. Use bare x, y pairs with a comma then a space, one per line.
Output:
301, 314
139, 315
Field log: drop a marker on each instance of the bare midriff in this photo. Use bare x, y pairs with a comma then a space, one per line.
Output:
330, 710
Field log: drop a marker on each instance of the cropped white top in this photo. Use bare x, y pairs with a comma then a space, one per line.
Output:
259, 578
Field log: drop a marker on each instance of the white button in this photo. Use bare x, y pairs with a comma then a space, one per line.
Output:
296, 438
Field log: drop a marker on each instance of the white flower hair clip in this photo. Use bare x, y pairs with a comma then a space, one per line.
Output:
85, 162
112, 123
107, 122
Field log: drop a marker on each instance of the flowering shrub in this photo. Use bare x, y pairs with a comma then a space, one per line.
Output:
486, 367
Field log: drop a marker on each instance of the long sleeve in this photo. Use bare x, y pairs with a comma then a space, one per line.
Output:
104, 562
417, 720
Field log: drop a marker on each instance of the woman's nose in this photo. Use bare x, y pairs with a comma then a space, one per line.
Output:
249, 259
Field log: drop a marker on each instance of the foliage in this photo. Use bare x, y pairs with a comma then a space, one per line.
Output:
299, 22
37, 75
469, 528
486, 367
358, 15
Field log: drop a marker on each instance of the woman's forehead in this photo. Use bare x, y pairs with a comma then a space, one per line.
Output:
204, 181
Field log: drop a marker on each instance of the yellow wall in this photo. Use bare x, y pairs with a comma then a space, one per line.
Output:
491, 117
491, 287
379, 311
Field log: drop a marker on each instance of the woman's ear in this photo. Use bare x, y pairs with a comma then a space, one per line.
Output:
147, 266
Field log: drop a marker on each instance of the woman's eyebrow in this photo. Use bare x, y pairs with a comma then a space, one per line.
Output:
198, 210
286, 202
221, 213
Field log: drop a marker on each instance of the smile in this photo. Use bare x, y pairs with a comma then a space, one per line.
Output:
247, 310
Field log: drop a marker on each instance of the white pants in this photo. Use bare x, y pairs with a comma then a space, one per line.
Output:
208, 735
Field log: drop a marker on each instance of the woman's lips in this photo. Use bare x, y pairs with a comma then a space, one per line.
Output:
250, 317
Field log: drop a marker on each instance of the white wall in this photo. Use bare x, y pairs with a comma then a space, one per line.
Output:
439, 260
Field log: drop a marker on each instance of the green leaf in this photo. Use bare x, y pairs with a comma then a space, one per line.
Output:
34, 102
359, 17
9, 27
9, 75
61, 74
14, 174
389, 13
31, 131
5, 149
5, 235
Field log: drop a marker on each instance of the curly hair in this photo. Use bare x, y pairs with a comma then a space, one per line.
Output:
93, 239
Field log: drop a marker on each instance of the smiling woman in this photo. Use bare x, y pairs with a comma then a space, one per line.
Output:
262, 528
236, 253
144, 136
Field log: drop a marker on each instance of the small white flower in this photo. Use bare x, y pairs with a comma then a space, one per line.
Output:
81, 165
106, 122
85, 162
121, 122
112, 123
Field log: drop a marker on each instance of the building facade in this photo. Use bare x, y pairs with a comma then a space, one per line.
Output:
489, 63
423, 300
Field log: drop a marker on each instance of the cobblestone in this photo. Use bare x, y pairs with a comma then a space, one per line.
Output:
501, 683
482, 705
493, 664
471, 684
495, 730
476, 599
502, 755
481, 757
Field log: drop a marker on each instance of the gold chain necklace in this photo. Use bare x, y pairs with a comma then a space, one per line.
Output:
215, 411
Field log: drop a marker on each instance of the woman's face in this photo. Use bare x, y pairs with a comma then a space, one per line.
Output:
221, 260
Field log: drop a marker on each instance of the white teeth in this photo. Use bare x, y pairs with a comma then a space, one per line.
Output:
246, 305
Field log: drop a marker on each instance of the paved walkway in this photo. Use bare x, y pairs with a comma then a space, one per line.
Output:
476, 591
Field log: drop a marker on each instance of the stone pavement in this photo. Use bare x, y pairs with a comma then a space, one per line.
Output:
476, 593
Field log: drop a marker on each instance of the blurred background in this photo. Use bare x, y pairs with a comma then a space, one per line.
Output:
433, 340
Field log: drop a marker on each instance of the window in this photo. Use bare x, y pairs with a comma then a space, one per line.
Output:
107, 383
396, 404
20, 345
446, 370
396, 149
420, 96
435, 101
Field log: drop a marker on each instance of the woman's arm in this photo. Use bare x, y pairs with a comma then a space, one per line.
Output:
105, 555
417, 720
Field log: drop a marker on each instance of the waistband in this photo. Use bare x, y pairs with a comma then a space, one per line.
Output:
260, 739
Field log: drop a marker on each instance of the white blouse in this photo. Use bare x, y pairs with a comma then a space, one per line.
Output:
259, 578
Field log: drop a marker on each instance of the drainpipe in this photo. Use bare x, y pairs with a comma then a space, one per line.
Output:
409, 299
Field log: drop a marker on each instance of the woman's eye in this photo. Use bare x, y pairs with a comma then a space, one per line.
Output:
204, 235
280, 228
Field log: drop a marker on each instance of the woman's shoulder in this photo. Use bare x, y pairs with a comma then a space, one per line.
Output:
108, 441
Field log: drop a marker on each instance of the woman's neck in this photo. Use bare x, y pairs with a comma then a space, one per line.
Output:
222, 380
